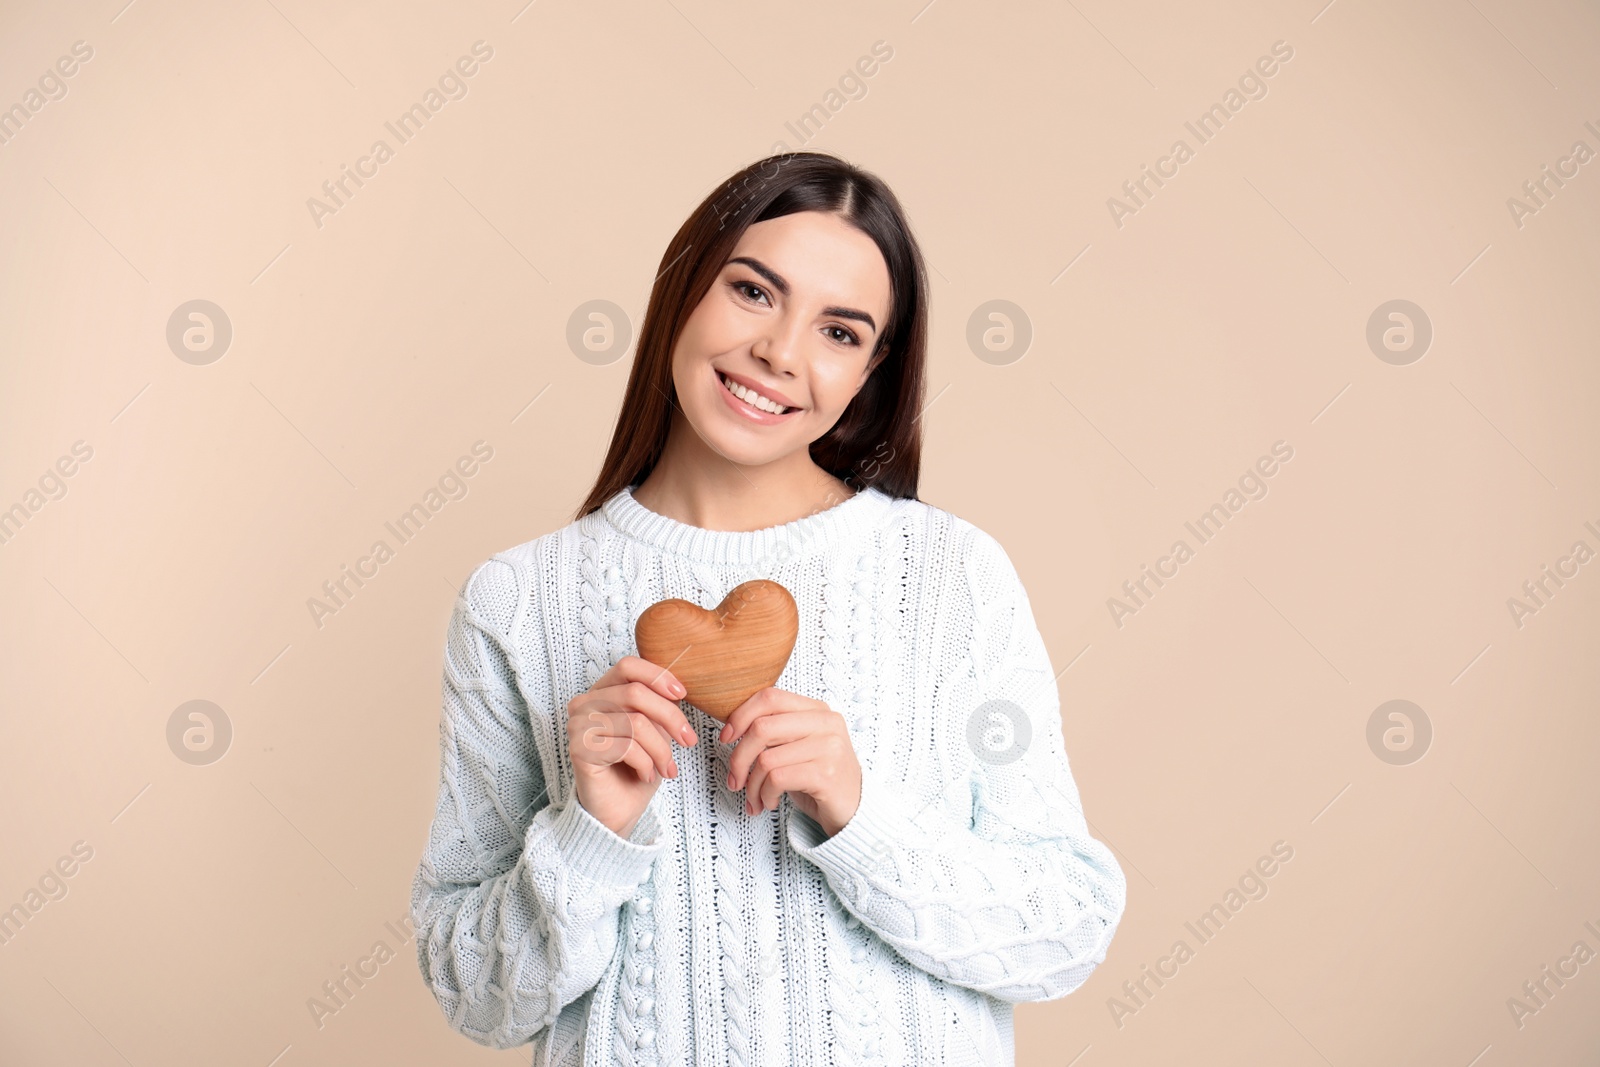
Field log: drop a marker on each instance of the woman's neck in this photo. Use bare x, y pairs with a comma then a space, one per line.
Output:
718, 494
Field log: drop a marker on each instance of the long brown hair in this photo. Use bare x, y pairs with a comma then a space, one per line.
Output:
877, 440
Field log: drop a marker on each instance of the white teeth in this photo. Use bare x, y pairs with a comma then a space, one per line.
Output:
751, 397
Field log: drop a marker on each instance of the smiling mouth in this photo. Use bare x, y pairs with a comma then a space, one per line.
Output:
752, 398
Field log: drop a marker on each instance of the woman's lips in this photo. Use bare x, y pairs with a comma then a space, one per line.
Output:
754, 414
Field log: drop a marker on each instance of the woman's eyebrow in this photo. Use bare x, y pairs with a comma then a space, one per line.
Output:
777, 281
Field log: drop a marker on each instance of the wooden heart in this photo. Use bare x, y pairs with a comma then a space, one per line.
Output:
724, 655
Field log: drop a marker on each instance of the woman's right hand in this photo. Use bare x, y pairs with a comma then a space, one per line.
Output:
620, 735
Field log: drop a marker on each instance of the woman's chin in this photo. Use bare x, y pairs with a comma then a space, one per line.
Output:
745, 456
753, 447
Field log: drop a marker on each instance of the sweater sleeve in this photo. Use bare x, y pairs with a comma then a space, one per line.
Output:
1018, 902
516, 902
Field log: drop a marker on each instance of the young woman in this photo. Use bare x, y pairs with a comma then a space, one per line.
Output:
871, 861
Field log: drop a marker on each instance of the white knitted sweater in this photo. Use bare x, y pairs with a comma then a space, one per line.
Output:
967, 880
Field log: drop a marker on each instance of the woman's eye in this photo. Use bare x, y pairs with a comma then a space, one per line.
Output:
745, 288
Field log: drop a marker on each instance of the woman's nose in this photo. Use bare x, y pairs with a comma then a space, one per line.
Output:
778, 349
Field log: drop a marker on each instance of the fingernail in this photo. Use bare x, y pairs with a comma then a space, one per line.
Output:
730, 779
674, 769
677, 687
687, 733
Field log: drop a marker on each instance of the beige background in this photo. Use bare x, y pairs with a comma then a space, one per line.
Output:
1228, 313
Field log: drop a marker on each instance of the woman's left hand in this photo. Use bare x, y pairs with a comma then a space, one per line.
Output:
793, 744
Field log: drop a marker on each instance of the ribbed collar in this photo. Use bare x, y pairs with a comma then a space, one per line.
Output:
812, 533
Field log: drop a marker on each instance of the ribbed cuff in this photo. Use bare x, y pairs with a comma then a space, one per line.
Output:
879, 825
597, 852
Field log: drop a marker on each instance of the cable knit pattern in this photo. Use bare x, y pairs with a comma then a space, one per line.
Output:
635, 1036
727, 839
966, 882
853, 1008
732, 936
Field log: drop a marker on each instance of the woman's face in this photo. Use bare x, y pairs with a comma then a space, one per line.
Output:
794, 316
